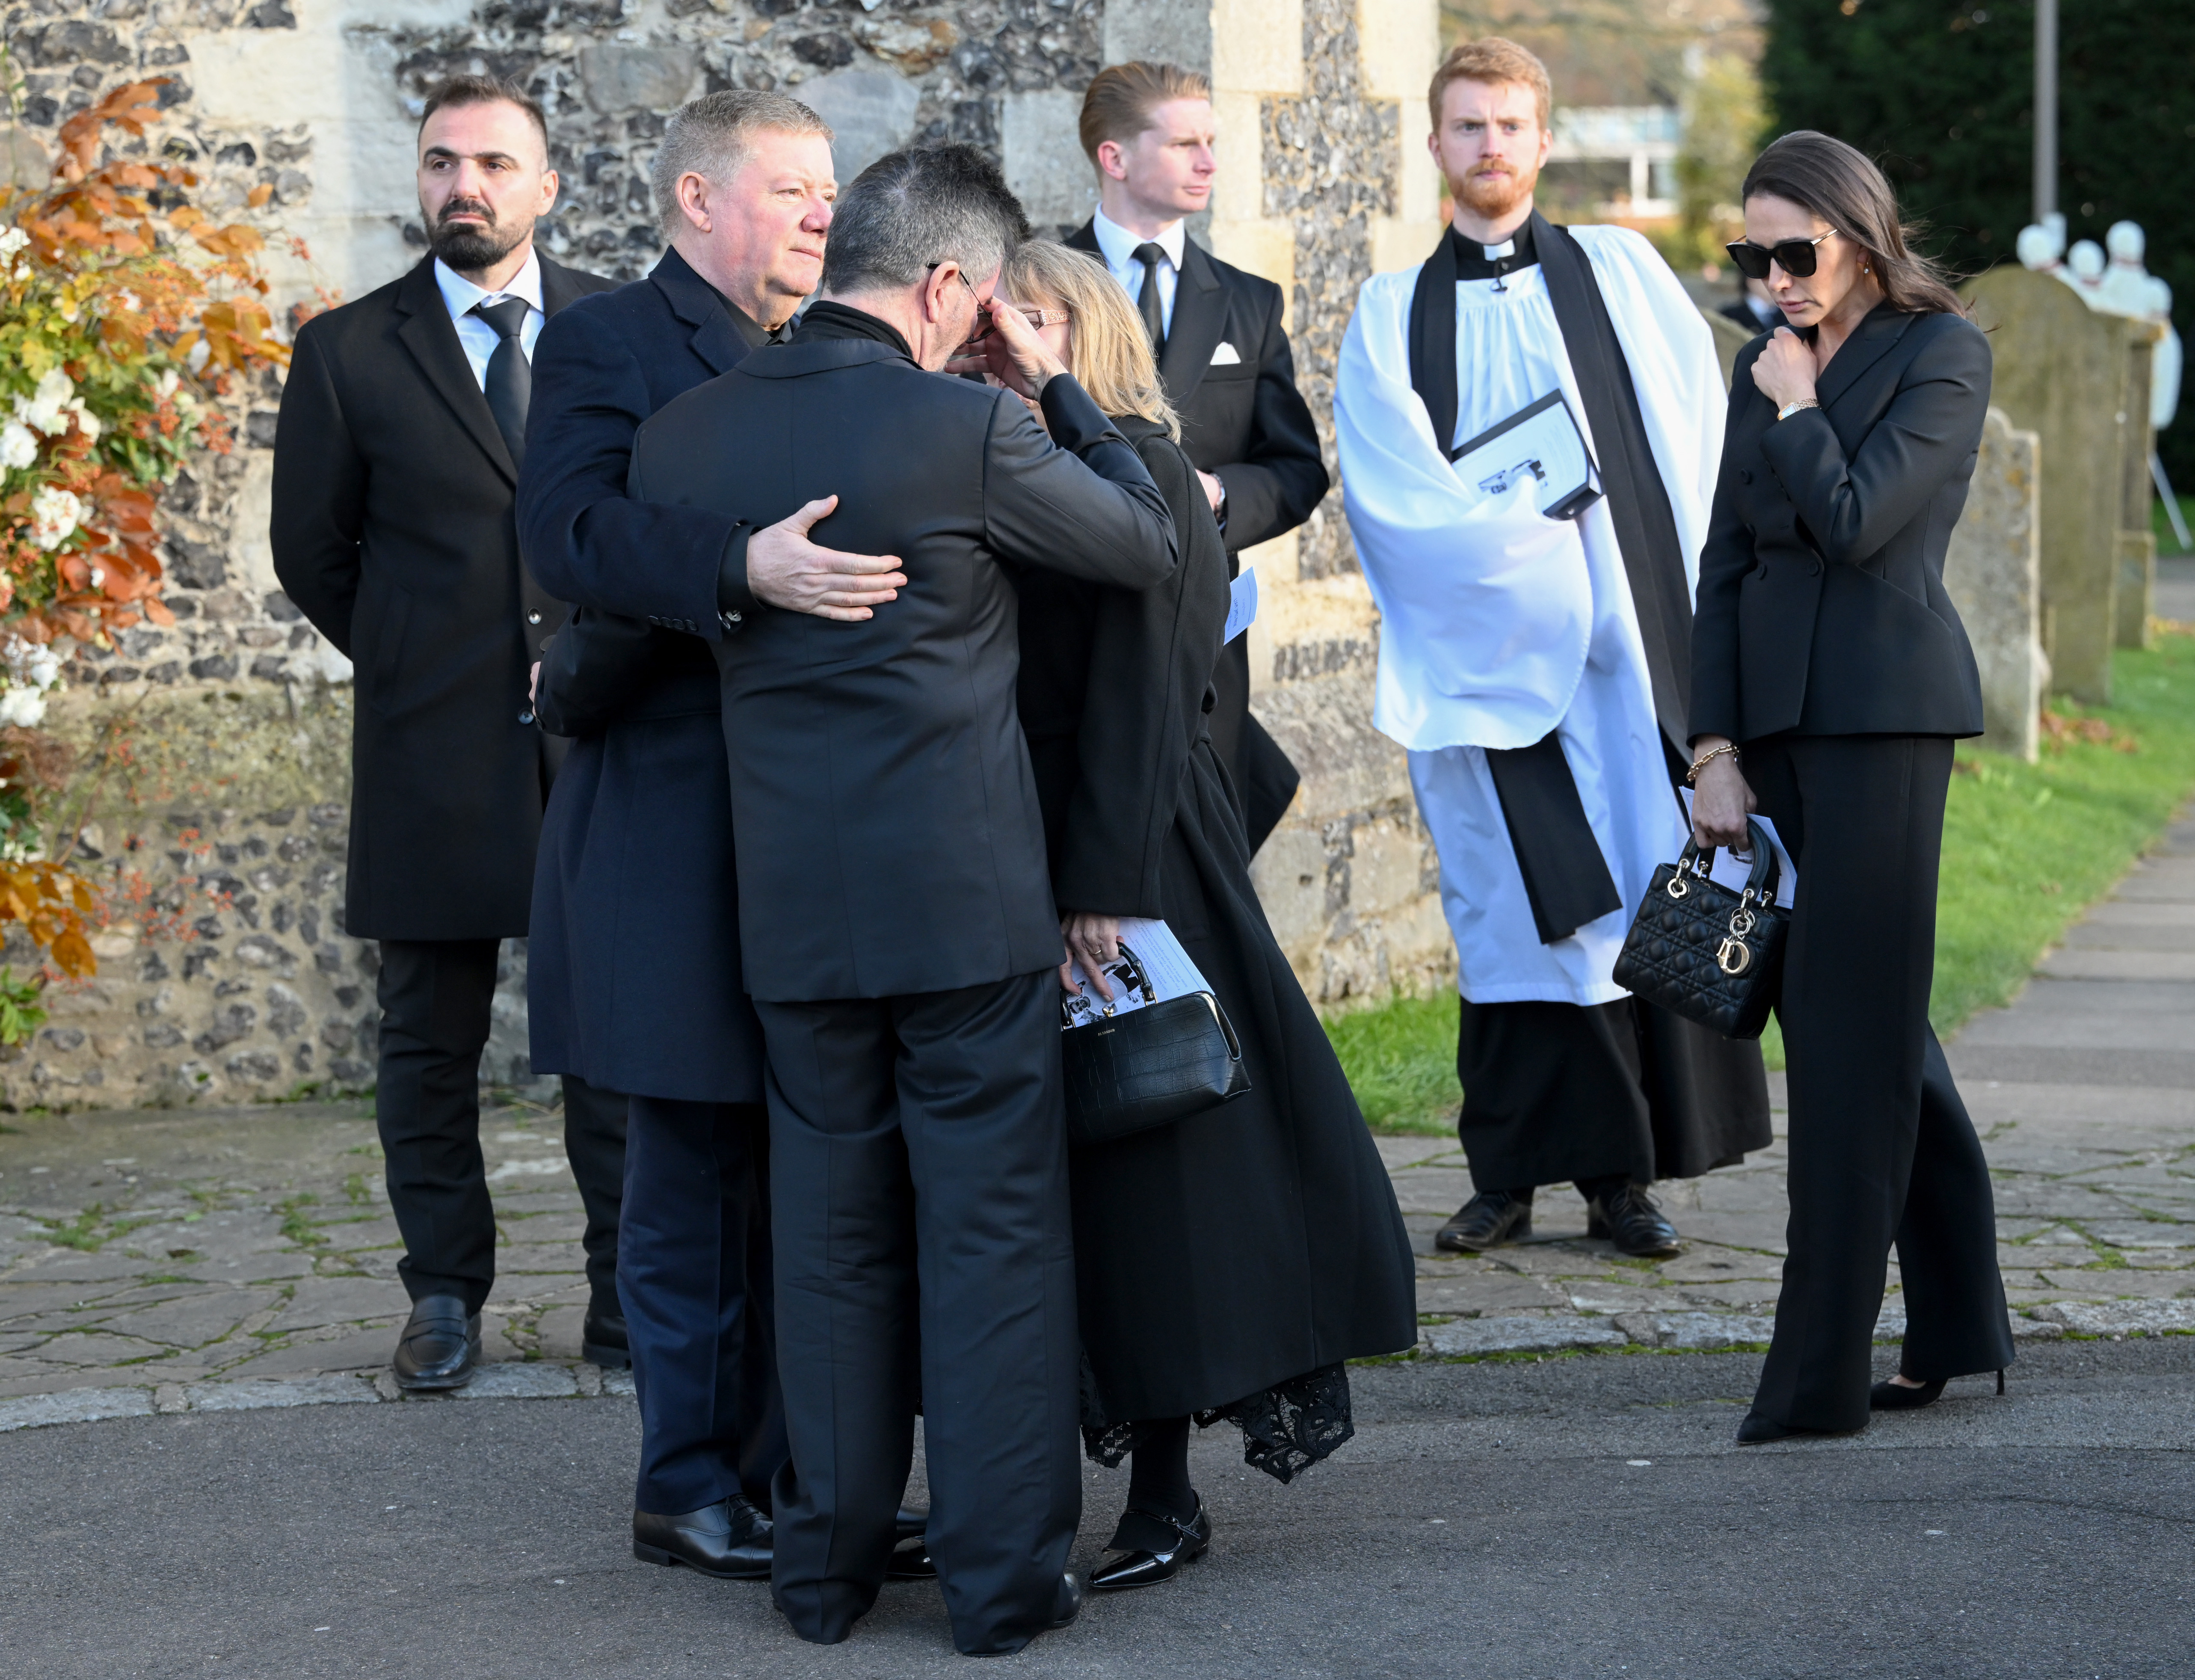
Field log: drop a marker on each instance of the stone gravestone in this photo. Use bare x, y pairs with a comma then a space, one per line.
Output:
2136, 592
2061, 372
871, 112
1993, 571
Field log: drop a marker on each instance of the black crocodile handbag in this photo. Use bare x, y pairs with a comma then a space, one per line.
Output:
1148, 1067
1705, 952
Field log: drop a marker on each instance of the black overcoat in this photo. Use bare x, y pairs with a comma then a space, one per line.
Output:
1259, 1242
890, 839
1821, 605
1245, 422
632, 978
392, 531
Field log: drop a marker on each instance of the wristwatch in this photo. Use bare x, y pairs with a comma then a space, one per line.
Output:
1791, 408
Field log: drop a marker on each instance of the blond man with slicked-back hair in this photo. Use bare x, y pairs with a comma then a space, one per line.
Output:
1221, 343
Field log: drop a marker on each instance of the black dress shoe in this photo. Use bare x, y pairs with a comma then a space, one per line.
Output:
441, 1346
602, 1340
1186, 1542
1488, 1220
1066, 1606
911, 1560
1628, 1218
728, 1541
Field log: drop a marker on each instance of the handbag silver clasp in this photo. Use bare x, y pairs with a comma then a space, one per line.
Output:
1734, 956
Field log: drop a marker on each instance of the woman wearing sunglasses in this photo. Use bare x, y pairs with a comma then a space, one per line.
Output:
1229, 1263
1830, 675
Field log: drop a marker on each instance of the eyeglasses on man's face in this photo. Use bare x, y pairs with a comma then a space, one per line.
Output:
1796, 257
983, 311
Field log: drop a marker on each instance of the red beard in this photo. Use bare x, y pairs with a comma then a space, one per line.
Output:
1493, 195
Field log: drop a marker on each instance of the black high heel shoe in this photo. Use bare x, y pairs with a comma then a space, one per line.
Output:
1898, 1397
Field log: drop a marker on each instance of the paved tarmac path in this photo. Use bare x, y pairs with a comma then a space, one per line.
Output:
209, 1297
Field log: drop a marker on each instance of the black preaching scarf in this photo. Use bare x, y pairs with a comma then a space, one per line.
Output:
1566, 877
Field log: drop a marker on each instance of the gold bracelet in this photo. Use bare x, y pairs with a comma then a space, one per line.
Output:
1692, 775
1791, 408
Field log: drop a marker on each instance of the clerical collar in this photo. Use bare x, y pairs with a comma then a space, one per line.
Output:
1476, 262
752, 331
835, 320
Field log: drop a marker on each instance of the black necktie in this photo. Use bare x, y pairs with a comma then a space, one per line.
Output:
1148, 300
510, 374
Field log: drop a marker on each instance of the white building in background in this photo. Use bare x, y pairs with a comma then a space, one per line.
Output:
1644, 139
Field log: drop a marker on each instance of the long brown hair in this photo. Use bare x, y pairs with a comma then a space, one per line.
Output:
1112, 354
1842, 186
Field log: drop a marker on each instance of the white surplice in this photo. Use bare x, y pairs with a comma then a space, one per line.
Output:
1497, 624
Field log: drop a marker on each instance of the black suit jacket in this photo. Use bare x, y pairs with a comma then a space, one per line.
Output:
632, 974
1246, 423
1821, 604
891, 841
392, 531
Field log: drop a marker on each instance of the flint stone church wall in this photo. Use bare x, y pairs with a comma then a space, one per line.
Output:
225, 972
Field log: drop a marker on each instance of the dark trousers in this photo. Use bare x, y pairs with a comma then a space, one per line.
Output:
1881, 1148
693, 1272
920, 1210
1551, 1091
434, 998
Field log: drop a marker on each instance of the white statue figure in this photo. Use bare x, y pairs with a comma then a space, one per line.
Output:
2124, 288
2085, 266
2042, 249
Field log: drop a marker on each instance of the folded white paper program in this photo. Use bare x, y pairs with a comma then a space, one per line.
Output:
1167, 969
1731, 868
1540, 444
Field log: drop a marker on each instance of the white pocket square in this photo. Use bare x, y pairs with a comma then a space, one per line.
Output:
1226, 355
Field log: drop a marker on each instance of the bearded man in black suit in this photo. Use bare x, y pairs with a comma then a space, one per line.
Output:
402, 427
1222, 353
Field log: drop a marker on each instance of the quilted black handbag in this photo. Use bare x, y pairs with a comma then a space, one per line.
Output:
1705, 952
1150, 1067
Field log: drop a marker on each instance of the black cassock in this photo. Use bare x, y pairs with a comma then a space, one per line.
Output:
1229, 1263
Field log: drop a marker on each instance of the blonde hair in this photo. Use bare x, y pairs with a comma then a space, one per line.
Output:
1121, 97
1112, 359
1495, 62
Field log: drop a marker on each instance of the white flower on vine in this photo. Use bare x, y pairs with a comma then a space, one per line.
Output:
19, 446
165, 387
45, 410
23, 708
12, 240
34, 663
54, 515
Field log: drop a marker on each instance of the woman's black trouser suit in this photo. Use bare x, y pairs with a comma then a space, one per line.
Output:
1881, 1148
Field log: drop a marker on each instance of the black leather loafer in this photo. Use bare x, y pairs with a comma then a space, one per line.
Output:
1189, 1541
1488, 1220
728, 1541
911, 1562
602, 1340
440, 1347
1628, 1218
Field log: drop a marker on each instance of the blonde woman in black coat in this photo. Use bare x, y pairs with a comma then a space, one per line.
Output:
1227, 1265
1830, 675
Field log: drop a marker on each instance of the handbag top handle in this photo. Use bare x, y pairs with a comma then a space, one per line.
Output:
1766, 874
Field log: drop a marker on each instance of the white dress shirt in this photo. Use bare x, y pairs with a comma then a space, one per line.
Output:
1119, 246
475, 334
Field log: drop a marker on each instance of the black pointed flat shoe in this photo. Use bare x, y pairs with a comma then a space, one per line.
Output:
911, 1562
440, 1347
1488, 1220
1189, 1541
728, 1541
1758, 1430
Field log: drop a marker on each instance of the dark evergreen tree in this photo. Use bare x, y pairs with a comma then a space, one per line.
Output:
1942, 96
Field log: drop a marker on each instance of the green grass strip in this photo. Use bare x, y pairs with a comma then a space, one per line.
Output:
2026, 849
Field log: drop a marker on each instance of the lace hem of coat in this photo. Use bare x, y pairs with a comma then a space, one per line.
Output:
1285, 1428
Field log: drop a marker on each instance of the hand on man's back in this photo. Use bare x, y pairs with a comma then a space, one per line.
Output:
785, 569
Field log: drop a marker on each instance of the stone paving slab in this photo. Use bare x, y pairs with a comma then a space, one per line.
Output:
227, 1258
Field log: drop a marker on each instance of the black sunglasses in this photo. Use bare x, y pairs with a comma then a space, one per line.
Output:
1796, 257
